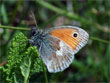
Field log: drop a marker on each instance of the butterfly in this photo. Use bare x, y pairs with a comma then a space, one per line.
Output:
58, 45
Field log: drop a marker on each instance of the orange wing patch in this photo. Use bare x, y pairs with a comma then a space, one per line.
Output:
66, 35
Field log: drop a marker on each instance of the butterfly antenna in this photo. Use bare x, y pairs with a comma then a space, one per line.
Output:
34, 19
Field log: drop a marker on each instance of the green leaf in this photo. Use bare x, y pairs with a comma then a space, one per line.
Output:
22, 61
25, 68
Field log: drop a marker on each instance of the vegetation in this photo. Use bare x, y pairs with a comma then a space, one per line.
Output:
21, 63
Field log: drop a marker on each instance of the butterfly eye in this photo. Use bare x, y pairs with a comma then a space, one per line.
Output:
75, 34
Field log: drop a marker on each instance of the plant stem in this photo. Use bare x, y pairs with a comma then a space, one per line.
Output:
45, 74
72, 15
101, 40
27, 29
16, 28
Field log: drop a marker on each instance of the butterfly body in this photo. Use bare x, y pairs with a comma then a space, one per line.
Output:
37, 38
57, 46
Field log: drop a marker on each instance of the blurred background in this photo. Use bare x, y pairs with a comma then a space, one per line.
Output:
92, 63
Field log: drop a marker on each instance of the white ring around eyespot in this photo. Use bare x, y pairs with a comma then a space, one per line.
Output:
74, 33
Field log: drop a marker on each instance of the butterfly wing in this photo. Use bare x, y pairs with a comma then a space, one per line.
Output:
65, 33
56, 54
59, 47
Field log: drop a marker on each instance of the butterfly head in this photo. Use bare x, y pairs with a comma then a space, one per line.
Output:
37, 37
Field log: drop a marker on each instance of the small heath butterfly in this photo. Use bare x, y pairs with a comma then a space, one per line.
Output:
57, 46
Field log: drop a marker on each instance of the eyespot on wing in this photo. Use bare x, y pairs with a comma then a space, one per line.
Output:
66, 34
